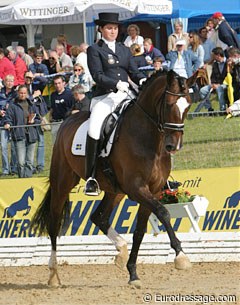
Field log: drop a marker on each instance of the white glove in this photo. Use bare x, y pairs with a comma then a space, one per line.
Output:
142, 80
122, 86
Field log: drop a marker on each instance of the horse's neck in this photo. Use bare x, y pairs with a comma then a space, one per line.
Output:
26, 195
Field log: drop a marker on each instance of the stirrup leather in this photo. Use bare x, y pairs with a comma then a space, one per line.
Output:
92, 187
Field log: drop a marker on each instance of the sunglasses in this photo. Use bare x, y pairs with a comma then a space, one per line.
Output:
77, 70
190, 36
51, 58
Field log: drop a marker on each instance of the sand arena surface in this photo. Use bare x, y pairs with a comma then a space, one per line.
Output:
106, 284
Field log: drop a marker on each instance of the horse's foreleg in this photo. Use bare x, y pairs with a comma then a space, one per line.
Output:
143, 215
101, 218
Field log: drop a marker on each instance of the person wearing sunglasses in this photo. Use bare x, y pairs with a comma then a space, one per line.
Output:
52, 63
79, 77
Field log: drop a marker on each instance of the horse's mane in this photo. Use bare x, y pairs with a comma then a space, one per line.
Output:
152, 78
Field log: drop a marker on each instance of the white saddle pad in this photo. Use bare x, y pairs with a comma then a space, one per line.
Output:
79, 141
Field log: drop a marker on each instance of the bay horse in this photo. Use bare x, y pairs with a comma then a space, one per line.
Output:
150, 131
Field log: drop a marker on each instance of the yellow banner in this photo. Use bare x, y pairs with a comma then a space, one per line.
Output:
19, 199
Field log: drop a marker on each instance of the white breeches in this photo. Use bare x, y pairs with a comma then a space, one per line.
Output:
101, 107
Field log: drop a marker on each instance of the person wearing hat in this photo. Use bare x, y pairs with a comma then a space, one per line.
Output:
225, 33
183, 62
110, 64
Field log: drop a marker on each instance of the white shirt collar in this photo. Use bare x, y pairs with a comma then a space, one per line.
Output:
110, 44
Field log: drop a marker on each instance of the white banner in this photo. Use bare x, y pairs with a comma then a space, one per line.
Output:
162, 7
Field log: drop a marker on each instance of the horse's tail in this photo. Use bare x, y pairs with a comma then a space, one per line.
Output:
41, 219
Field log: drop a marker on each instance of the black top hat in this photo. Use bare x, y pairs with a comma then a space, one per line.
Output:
105, 18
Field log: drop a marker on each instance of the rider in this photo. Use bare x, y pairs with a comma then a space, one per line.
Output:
110, 63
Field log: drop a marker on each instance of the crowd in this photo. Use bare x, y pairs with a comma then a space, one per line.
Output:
27, 77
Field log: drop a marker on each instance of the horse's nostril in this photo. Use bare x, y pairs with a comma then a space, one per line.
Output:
170, 147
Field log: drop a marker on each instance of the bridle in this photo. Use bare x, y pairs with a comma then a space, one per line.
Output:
166, 125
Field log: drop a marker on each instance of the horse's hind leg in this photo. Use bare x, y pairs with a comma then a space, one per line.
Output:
101, 219
60, 190
142, 219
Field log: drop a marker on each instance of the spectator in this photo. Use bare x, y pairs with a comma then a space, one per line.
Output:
19, 65
234, 62
183, 62
158, 67
207, 44
36, 98
79, 77
210, 28
225, 33
196, 47
37, 67
64, 59
52, 63
137, 53
81, 101
31, 51
6, 67
134, 37
7, 95
150, 52
176, 35
82, 57
61, 103
23, 112
74, 52
62, 39
219, 73
25, 57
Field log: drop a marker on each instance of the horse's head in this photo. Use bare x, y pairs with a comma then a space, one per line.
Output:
176, 105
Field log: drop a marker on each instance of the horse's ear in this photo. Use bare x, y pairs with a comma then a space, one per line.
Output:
170, 76
192, 80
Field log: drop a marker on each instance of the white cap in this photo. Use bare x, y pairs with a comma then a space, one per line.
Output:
180, 42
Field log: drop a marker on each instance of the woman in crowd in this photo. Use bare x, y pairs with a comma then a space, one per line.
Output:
79, 77
176, 35
134, 36
139, 58
196, 46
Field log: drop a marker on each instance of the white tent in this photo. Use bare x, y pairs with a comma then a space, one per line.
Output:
31, 13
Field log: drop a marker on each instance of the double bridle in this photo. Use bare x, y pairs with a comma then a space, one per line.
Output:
167, 125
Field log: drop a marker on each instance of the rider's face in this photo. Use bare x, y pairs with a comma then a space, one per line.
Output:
109, 31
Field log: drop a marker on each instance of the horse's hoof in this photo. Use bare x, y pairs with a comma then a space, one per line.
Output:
54, 280
135, 283
182, 262
122, 258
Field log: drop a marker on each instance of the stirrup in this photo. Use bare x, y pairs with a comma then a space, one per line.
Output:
92, 187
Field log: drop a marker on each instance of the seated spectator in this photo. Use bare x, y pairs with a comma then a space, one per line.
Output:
82, 58
61, 103
134, 37
23, 112
7, 95
81, 101
6, 67
64, 59
62, 39
52, 63
196, 47
219, 73
183, 62
79, 77
234, 62
35, 96
31, 51
37, 67
176, 35
19, 65
25, 57
150, 52
157, 64
139, 58
74, 52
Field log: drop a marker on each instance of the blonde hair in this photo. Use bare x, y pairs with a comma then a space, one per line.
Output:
135, 48
134, 26
148, 40
195, 42
75, 50
78, 65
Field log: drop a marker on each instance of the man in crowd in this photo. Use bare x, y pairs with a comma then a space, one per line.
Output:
6, 66
19, 64
64, 59
26, 57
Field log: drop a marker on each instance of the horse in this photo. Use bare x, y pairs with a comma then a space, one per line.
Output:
151, 130
20, 205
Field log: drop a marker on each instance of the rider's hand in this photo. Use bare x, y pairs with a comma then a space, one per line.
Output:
122, 86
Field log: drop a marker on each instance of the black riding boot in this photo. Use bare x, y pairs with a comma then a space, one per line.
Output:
91, 187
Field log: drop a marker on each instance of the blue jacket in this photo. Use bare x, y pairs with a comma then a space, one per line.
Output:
38, 68
107, 67
5, 100
15, 116
154, 52
192, 62
228, 35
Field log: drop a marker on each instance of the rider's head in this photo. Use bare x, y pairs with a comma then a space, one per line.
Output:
108, 25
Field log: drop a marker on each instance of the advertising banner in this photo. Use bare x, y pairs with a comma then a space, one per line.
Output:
19, 199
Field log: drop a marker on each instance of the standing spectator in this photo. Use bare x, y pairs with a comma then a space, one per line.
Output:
74, 52
23, 112
52, 63
35, 96
79, 77
134, 37
176, 35
25, 57
6, 67
219, 73
183, 62
37, 67
196, 47
62, 39
7, 95
225, 33
150, 52
210, 28
64, 59
139, 58
19, 65
61, 103
81, 101
82, 57
207, 44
